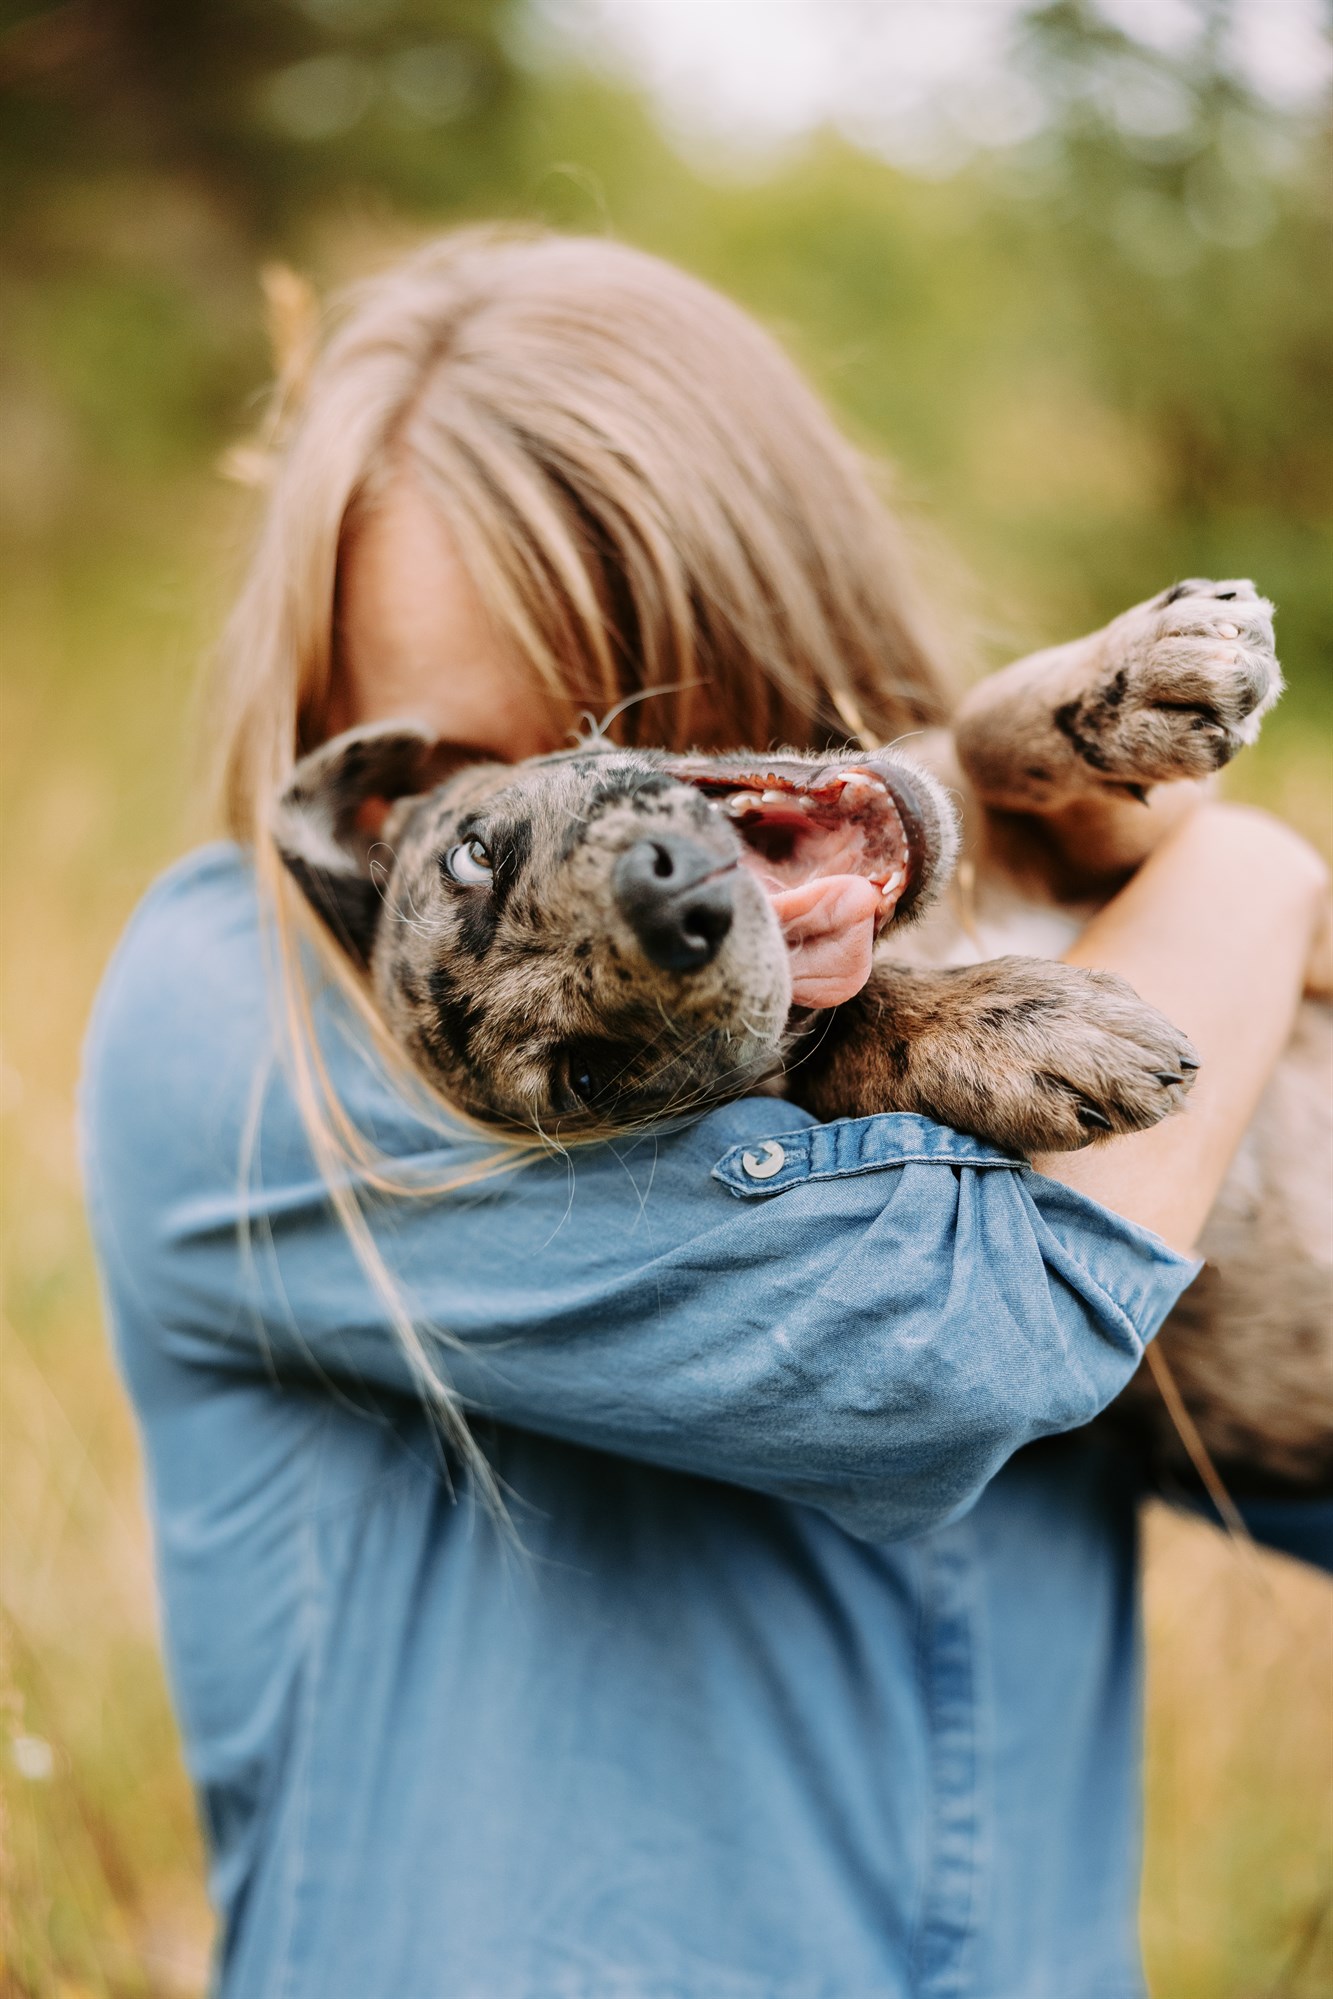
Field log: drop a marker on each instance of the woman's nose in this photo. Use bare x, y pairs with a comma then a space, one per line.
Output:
677, 898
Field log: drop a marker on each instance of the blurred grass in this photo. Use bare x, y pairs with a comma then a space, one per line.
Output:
1074, 427
103, 1873
1238, 1863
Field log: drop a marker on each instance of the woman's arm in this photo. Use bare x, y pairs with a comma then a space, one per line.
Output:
1215, 929
872, 1320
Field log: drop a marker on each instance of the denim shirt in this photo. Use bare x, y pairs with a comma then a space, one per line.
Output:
789, 1680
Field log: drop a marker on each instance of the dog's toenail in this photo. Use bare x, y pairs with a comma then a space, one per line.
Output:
1168, 1076
1228, 631
1088, 1114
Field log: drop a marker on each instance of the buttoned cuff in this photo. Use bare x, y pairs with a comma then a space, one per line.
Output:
850, 1146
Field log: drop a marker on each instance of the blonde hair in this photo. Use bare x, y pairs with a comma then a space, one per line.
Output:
643, 491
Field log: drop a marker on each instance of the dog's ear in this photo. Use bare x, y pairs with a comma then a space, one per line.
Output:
325, 825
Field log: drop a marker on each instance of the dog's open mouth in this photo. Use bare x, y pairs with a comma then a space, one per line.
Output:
834, 851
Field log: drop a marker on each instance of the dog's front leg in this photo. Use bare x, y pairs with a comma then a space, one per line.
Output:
1029, 1055
1104, 742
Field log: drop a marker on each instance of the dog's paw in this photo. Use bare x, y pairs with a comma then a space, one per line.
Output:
1184, 683
1046, 1057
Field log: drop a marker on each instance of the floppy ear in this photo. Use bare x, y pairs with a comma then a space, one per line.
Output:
320, 822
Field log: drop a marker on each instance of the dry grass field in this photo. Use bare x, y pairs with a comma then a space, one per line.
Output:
102, 1870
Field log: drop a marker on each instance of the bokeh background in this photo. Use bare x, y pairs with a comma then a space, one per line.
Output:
1067, 266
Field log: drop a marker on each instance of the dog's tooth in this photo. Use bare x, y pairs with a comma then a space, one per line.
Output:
774, 798
739, 803
859, 781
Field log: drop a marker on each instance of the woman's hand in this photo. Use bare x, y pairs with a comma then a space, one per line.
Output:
1216, 929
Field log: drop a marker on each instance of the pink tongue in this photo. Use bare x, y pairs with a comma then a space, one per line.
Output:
829, 925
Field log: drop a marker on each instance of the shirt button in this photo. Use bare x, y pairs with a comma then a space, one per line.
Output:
762, 1165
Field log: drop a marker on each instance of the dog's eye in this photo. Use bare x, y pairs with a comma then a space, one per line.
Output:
594, 1075
580, 1078
469, 863
581, 1082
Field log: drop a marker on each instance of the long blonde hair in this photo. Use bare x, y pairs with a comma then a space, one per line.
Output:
644, 492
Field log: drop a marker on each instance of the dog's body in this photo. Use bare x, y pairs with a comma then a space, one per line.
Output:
602, 938
1157, 701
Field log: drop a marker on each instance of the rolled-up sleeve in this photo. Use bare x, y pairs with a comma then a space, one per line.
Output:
869, 1317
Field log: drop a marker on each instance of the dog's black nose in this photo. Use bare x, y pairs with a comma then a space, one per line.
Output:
676, 897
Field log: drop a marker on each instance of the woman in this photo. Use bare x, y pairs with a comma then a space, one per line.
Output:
791, 1677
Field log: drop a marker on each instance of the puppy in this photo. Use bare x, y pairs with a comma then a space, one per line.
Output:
600, 939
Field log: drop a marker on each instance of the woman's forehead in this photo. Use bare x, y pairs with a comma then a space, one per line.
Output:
414, 638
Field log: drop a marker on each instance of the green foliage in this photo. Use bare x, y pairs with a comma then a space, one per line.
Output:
1101, 357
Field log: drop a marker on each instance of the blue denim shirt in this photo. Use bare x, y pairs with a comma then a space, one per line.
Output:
795, 1683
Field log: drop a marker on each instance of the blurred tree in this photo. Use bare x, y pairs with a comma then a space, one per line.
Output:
1102, 351
153, 153
1181, 230
265, 105
1192, 224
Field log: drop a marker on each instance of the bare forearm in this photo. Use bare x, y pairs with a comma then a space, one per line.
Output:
1215, 929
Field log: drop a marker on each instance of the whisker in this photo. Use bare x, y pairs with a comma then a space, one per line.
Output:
381, 876
643, 694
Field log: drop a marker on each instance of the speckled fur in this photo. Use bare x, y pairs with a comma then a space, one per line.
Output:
497, 991
1170, 690
493, 990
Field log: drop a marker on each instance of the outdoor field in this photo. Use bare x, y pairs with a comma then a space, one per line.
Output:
1094, 345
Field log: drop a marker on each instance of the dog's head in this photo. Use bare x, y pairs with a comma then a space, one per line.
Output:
604, 937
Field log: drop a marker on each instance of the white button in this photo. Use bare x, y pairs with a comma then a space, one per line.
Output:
762, 1165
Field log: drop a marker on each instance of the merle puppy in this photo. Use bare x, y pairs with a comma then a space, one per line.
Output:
596, 939
599, 939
